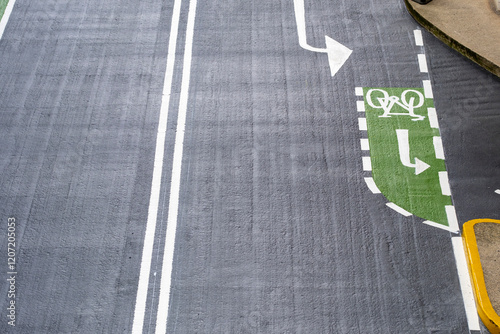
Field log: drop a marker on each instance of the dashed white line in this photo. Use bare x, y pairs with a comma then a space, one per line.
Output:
365, 144
367, 164
360, 106
358, 91
438, 147
451, 214
419, 41
422, 63
444, 183
497, 191
371, 185
399, 209
362, 124
433, 119
6, 16
428, 89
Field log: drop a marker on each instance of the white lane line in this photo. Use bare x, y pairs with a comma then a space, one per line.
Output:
147, 251
367, 164
440, 226
451, 214
428, 89
438, 147
358, 91
371, 185
465, 283
398, 209
433, 119
419, 41
168, 254
444, 183
362, 124
422, 63
360, 105
365, 144
497, 191
6, 16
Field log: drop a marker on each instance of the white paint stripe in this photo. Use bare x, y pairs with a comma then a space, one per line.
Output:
147, 251
367, 164
428, 89
6, 16
362, 124
419, 41
365, 144
438, 147
359, 91
433, 119
422, 63
398, 209
444, 183
168, 254
497, 191
360, 105
371, 185
465, 283
451, 214
440, 226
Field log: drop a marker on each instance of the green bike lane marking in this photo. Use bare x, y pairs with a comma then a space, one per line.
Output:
406, 155
3, 5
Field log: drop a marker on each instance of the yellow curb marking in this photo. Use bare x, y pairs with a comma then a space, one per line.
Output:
488, 315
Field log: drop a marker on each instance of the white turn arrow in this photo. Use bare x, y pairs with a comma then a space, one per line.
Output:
404, 152
337, 53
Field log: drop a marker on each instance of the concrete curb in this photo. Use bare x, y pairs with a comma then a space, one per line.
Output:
486, 312
450, 41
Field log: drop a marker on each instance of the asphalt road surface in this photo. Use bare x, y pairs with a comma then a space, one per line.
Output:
276, 229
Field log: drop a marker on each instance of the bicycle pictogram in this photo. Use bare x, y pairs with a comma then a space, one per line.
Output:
406, 101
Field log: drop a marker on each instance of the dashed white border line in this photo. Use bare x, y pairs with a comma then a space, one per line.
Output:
6, 16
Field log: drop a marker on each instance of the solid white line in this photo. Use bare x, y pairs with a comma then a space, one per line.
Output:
451, 214
433, 119
362, 124
6, 16
398, 209
465, 283
360, 105
419, 41
371, 185
422, 63
428, 89
365, 144
438, 147
359, 91
367, 164
168, 254
147, 251
444, 183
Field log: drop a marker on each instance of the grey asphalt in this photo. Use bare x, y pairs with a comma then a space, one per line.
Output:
277, 230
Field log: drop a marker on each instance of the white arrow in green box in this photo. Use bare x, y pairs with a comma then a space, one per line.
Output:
406, 154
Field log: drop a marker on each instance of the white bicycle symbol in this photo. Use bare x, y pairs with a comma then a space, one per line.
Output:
387, 102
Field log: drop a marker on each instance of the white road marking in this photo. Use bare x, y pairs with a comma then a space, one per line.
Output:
444, 183
440, 226
367, 164
6, 16
360, 106
422, 63
419, 41
438, 147
362, 124
404, 153
433, 119
465, 283
147, 251
399, 209
497, 191
337, 52
168, 254
451, 214
365, 144
428, 89
359, 91
371, 185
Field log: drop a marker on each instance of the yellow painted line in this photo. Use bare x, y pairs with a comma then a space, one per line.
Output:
488, 315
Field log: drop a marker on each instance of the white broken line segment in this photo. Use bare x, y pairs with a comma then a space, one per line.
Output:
438, 147
362, 124
451, 214
367, 164
147, 251
365, 144
371, 185
419, 41
360, 105
433, 119
428, 89
398, 209
444, 183
6, 16
422, 63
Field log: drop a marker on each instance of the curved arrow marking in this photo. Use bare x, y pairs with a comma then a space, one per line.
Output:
337, 52
404, 153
